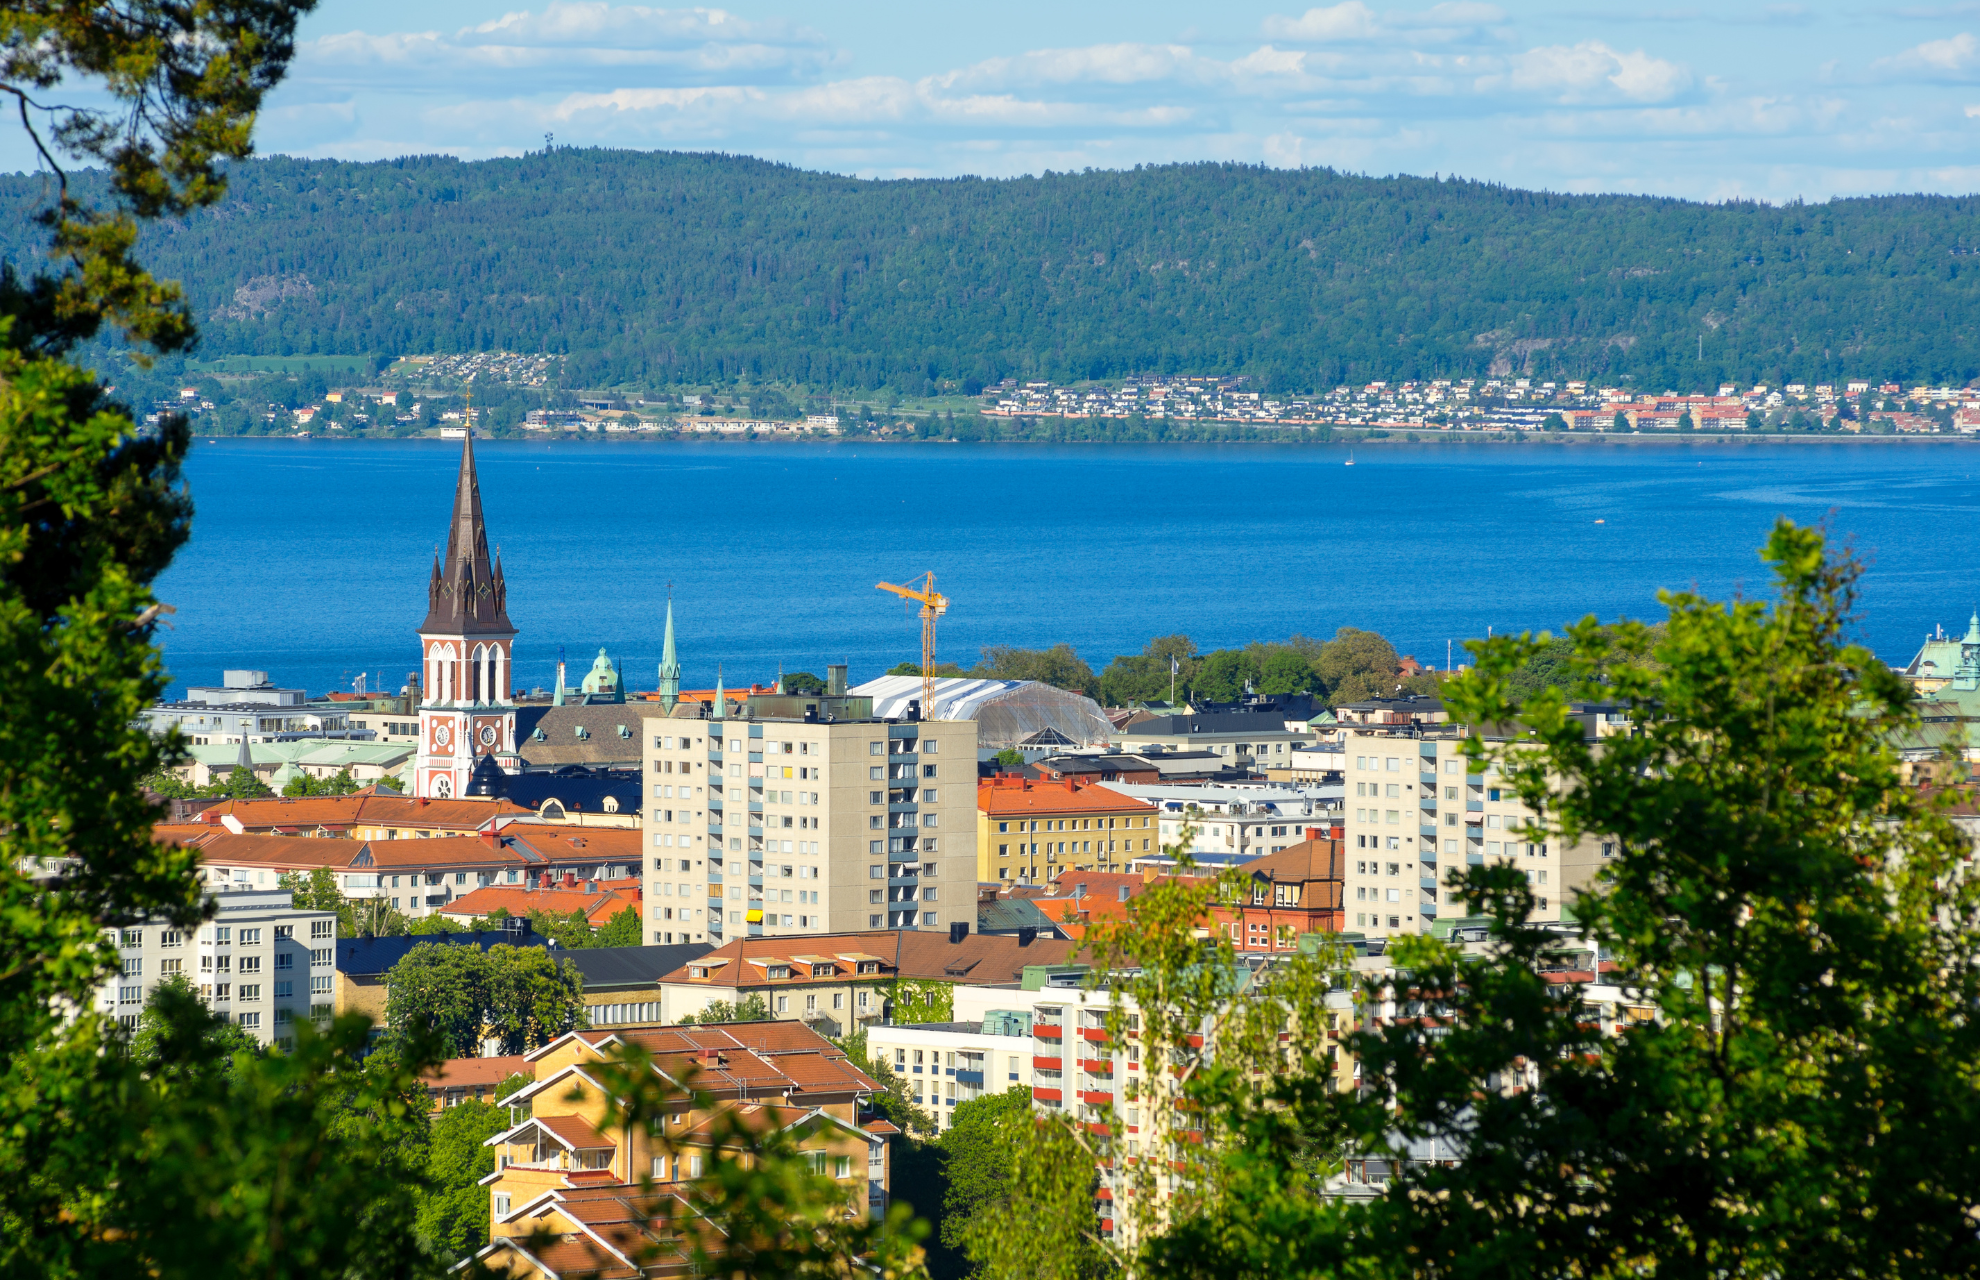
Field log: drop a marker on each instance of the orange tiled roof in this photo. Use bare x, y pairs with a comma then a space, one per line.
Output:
363, 810
468, 1072
598, 907
563, 844
1010, 795
977, 959
576, 1131
752, 1058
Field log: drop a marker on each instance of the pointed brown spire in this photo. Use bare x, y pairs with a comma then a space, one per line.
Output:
469, 597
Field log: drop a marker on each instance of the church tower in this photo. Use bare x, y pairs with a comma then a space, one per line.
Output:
670, 665
467, 648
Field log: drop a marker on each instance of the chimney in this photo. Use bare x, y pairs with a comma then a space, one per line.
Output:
570, 879
546, 880
1314, 833
958, 930
1027, 936
835, 679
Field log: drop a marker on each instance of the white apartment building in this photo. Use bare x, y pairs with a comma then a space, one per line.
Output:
1233, 824
1415, 811
764, 827
259, 962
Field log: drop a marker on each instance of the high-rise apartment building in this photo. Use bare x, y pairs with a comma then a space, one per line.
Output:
1416, 809
259, 963
786, 826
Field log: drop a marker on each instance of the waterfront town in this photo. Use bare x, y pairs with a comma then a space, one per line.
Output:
830, 891
422, 393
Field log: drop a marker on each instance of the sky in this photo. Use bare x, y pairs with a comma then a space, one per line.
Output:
1774, 101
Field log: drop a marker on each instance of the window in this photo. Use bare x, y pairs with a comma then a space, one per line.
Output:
251, 1021
501, 1204
249, 936
133, 937
320, 955
284, 931
319, 984
876, 748
783, 1004
285, 961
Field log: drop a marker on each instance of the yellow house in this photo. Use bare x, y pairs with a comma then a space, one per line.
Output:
567, 1197
1028, 830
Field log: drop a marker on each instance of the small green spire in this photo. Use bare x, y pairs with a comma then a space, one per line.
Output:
670, 665
721, 703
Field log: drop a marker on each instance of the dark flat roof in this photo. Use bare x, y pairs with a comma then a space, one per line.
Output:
633, 966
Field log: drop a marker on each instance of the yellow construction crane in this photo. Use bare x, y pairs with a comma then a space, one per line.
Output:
933, 606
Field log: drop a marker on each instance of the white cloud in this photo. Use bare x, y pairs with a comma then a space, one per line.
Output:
1590, 71
580, 39
1354, 22
1954, 58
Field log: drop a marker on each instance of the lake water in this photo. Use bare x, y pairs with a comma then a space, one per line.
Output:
309, 558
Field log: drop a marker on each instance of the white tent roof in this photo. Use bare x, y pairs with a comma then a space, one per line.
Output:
1006, 711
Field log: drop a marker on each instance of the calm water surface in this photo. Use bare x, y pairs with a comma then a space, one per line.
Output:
310, 558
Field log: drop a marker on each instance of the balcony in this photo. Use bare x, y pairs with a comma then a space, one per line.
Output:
1427, 882
1048, 1031
1427, 832
1426, 779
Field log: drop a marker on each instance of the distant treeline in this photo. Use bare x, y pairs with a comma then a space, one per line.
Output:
665, 268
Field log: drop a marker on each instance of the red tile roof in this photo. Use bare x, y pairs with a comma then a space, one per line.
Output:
575, 1131
469, 1072
598, 907
363, 810
1009, 795
978, 959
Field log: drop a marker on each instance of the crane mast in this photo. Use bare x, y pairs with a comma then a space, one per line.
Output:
933, 606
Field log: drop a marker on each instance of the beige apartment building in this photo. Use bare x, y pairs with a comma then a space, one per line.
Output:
779, 827
1415, 811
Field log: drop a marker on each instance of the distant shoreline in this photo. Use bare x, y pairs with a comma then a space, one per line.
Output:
1510, 440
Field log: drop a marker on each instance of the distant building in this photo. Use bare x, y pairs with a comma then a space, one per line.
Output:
258, 963
245, 706
1031, 831
1243, 739
1006, 712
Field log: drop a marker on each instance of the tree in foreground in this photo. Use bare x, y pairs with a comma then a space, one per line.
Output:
521, 997
1807, 1100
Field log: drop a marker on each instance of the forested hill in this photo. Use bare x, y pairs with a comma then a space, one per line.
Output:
651, 267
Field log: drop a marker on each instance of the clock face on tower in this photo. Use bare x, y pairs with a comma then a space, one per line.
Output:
442, 735
488, 735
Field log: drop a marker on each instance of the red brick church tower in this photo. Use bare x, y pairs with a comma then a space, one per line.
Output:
465, 711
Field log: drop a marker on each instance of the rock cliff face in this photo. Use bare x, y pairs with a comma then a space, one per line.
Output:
263, 294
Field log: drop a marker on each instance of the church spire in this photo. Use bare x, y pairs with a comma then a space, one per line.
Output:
670, 664
721, 703
469, 596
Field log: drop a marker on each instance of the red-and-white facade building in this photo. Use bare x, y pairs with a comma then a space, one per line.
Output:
468, 652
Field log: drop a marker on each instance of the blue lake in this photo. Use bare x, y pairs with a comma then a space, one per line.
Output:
310, 558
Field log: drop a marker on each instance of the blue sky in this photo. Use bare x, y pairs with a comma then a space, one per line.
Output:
1736, 99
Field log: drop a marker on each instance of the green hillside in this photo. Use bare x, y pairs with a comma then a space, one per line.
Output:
646, 268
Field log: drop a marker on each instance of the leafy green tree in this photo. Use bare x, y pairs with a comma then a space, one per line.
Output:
239, 784
522, 997
568, 929
432, 924
1621, 422
169, 786
1010, 758
1145, 677
1357, 665
942, 669
1060, 666
1223, 676
1285, 671
751, 1008
339, 784
622, 930
316, 891
1805, 1101
979, 1162
373, 918
1554, 422
452, 1208
173, 1014
803, 682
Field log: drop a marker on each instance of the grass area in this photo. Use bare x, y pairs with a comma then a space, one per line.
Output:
283, 364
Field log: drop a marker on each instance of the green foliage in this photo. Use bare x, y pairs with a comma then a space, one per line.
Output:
1010, 758
451, 1214
1357, 665
1291, 275
239, 784
1145, 677
803, 682
432, 924
622, 930
568, 929
751, 1008
1059, 666
169, 786
894, 1101
1805, 1101
979, 1163
176, 1026
914, 1000
1224, 676
523, 997
1039, 1222
316, 891
771, 1215
340, 784
914, 669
